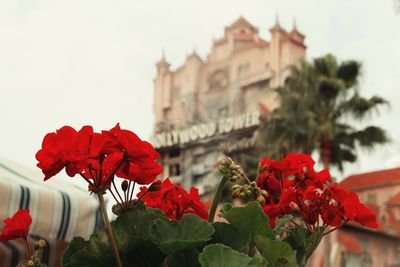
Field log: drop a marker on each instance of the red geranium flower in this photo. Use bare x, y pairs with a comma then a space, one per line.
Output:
98, 157
294, 187
140, 157
173, 200
16, 226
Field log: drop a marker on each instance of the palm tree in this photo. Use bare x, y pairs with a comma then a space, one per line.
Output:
320, 105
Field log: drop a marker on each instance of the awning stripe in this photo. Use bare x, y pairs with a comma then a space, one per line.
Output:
25, 197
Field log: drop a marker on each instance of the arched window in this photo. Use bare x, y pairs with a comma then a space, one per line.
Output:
218, 79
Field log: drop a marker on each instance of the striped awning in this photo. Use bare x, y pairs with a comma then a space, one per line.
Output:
59, 210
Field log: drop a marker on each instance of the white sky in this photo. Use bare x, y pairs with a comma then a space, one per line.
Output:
92, 61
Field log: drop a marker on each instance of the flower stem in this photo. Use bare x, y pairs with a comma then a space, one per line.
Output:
28, 249
217, 198
109, 229
334, 229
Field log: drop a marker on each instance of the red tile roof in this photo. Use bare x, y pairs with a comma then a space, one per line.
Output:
372, 179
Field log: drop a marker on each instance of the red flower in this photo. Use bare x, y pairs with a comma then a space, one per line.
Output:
173, 200
16, 226
98, 157
140, 157
294, 187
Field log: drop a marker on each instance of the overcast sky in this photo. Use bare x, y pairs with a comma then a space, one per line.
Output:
93, 61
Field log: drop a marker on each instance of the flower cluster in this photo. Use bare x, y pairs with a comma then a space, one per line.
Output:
16, 226
295, 188
98, 157
173, 200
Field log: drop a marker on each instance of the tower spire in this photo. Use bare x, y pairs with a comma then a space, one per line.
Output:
294, 23
277, 20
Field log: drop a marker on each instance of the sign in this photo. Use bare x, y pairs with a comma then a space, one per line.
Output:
205, 130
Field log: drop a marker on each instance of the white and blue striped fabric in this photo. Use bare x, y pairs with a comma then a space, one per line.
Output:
59, 210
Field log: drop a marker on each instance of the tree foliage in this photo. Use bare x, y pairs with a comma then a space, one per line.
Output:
320, 104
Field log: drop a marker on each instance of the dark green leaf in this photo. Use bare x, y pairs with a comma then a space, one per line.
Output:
173, 236
228, 235
76, 244
304, 242
278, 253
131, 229
250, 221
186, 258
144, 254
218, 255
280, 223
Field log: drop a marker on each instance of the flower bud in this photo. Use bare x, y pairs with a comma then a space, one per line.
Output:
261, 199
235, 187
264, 193
294, 206
124, 185
155, 186
236, 193
40, 244
30, 263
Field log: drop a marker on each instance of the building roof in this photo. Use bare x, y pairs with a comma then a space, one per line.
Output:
241, 22
374, 179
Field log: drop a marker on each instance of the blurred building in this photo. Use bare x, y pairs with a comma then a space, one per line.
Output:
356, 246
208, 109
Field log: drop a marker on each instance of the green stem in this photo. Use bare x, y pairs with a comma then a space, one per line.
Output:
217, 198
109, 229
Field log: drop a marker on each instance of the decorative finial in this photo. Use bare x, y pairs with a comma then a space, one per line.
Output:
277, 19
163, 54
294, 23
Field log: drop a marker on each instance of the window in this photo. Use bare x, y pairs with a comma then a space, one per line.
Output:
218, 79
174, 170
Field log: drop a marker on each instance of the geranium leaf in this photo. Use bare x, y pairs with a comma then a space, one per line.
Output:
187, 258
277, 253
304, 242
144, 254
250, 221
131, 229
76, 244
218, 255
313, 241
228, 235
173, 236
280, 223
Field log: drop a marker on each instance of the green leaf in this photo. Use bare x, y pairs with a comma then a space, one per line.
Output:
278, 253
186, 258
304, 242
280, 223
218, 255
313, 241
228, 235
131, 229
173, 236
76, 244
144, 254
250, 221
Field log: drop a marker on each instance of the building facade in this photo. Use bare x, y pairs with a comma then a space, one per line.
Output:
356, 246
208, 109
